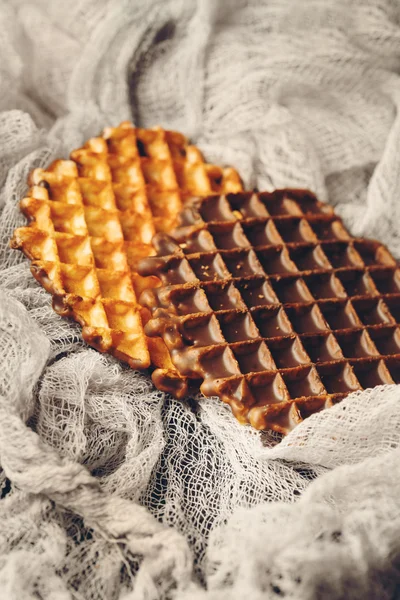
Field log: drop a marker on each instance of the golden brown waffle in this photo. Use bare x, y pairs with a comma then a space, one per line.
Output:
270, 304
92, 218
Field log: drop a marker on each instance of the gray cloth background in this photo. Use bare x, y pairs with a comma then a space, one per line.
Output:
118, 492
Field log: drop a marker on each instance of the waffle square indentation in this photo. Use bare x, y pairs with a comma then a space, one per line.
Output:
238, 326
309, 258
340, 315
311, 405
109, 255
202, 241
74, 250
393, 366
216, 209
253, 357
341, 255
280, 204
324, 286
322, 348
68, 218
303, 382
288, 352
257, 293
187, 301
373, 311
202, 330
116, 285
122, 316
357, 283
276, 261
306, 318
248, 205
338, 378
242, 263
221, 362
272, 322
386, 339
224, 296
229, 237
262, 233
176, 271
209, 267
81, 281
329, 229
268, 388
387, 281
294, 230
308, 203
391, 306
291, 290
374, 253
356, 344
372, 373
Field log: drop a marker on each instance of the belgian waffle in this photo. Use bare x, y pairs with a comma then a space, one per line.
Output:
92, 218
270, 304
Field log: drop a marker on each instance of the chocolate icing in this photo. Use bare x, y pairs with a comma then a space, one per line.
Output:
268, 303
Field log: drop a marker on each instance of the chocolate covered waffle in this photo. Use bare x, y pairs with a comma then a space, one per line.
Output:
269, 303
93, 217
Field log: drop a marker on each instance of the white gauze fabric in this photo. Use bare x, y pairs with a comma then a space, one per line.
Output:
112, 490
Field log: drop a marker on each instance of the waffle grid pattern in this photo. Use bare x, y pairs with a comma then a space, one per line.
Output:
93, 217
271, 305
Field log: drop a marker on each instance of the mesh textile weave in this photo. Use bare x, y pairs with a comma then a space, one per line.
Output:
270, 304
117, 490
92, 219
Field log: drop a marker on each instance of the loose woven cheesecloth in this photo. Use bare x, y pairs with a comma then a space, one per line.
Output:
111, 490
